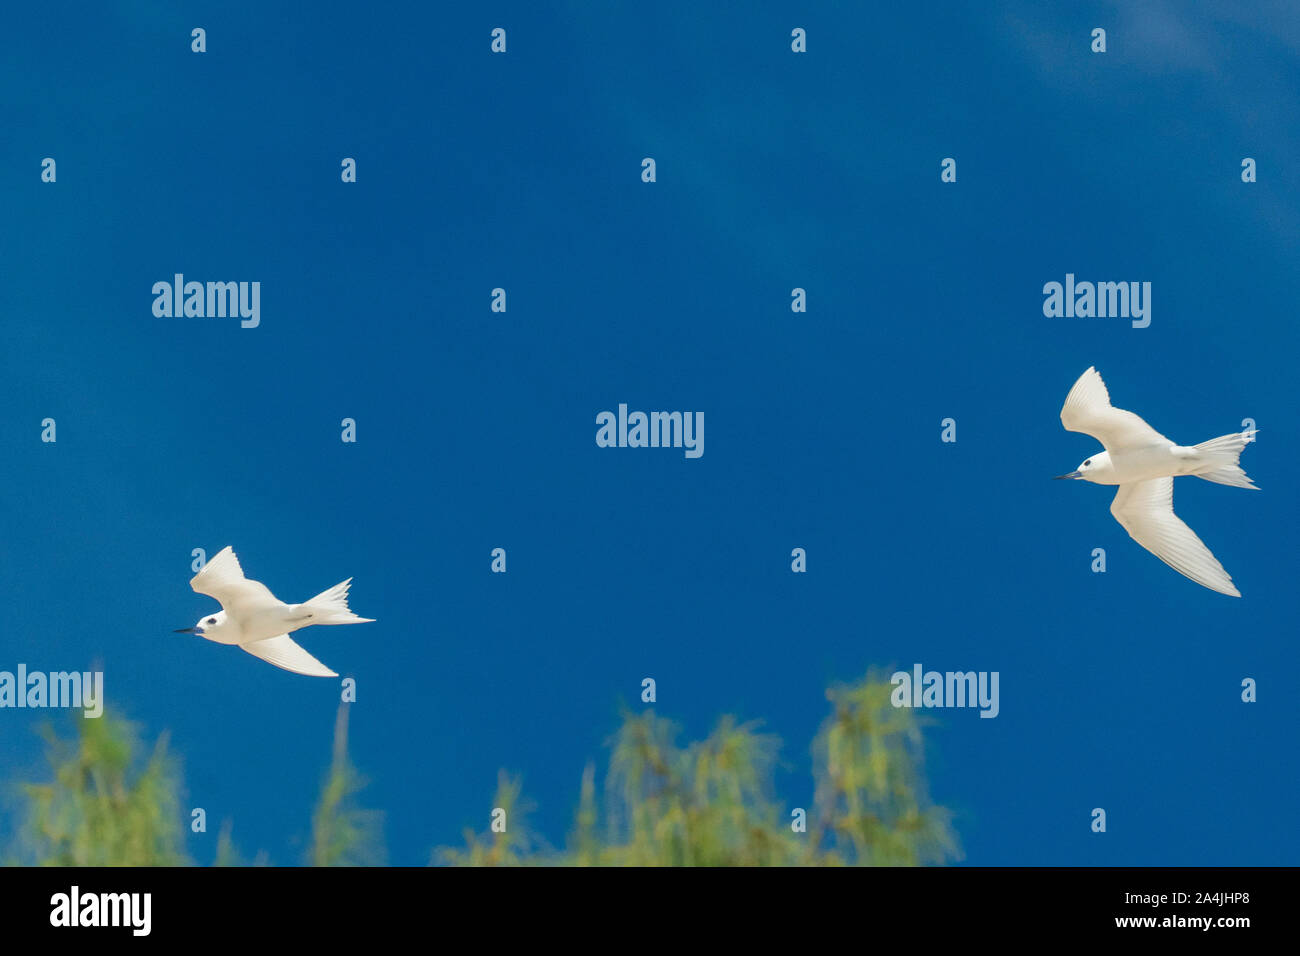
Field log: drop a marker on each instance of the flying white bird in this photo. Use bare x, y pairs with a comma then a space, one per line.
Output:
255, 620
1144, 463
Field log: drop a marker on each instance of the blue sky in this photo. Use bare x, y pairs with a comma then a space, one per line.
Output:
476, 430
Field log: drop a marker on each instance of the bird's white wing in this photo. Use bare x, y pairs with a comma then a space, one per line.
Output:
283, 652
1146, 510
223, 579
1088, 410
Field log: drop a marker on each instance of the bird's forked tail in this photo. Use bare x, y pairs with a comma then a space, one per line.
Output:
1221, 454
331, 607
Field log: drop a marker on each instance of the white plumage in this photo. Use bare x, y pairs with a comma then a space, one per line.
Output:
254, 619
1144, 463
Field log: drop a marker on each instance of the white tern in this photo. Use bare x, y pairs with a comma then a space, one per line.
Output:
252, 618
1144, 463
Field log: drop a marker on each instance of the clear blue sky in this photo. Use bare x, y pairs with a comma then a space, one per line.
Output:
476, 430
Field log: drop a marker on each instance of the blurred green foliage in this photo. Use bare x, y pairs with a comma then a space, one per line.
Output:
344, 834
711, 802
110, 805
102, 808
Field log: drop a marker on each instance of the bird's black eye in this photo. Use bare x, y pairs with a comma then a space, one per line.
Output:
1087, 463
212, 620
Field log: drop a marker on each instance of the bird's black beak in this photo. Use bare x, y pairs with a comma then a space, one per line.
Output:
1073, 474
184, 630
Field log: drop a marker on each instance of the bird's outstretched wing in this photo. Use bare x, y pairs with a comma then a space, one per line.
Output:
1146, 510
1088, 410
283, 652
223, 579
